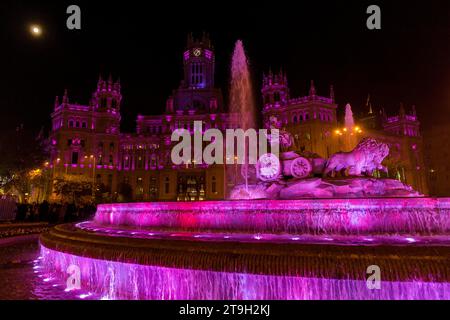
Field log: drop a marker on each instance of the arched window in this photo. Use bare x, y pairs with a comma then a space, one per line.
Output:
84, 124
214, 185
70, 123
276, 96
166, 185
126, 162
295, 119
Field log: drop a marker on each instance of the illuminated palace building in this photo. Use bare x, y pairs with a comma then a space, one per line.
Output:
87, 142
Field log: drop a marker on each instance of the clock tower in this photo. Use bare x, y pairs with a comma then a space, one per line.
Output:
196, 93
198, 60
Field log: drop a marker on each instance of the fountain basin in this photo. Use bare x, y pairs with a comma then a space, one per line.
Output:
319, 216
291, 249
125, 267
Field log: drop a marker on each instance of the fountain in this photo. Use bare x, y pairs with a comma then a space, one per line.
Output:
241, 98
308, 228
349, 122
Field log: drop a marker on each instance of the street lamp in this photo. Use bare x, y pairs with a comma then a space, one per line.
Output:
93, 176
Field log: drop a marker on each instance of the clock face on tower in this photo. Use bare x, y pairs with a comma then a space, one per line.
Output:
197, 52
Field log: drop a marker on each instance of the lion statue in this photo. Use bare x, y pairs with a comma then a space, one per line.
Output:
364, 159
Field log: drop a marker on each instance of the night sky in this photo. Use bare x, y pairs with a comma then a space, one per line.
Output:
407, 61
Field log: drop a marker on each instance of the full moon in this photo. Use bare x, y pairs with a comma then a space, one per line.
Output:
35, 30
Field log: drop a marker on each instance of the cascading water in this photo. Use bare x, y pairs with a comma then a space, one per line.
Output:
349, 121
242, 102
350, 137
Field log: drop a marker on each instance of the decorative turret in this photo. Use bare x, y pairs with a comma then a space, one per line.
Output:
169, 105
312, 89
56, 102
402, 111
403, 124
65, 99
107, 95
275, 89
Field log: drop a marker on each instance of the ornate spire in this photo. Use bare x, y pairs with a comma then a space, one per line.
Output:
413, 110
190, 39
402, 110
100, 82
369, 105
312, 89
56, 102
117, 85
205, 39
332, 93
65, 98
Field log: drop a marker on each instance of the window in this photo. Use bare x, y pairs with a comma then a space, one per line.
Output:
276, 96
214, 185
110, 182
139, 162
74, 157
84, 124
111, 161
196, 74
166, 185
70, 123
153, 188
139, 188
69, 142
295, 119
153, 161
126, 162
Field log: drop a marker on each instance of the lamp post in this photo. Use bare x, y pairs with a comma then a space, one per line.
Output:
93, 177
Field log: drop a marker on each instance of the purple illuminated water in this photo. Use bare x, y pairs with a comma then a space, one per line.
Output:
242, 102
241, 91
116, 280
325, 216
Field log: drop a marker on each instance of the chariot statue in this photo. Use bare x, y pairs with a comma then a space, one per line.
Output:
294, 175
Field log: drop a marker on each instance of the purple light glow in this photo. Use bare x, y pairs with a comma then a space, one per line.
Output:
132, 281
325, 216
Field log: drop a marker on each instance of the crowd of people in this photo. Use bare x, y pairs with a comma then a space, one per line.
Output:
54, 212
